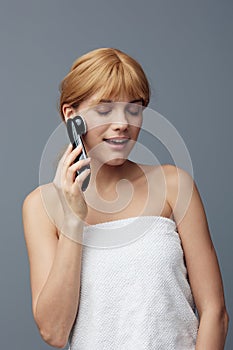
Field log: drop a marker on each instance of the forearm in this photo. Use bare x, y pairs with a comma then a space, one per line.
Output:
57, 303
212, 331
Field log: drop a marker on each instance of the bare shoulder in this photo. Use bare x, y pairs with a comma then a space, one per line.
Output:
39, 206
184, 197
32, 202
173, 184
38, 198
177, 179
34, 197
173, 173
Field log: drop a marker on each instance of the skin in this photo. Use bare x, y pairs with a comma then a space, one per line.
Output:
55, 260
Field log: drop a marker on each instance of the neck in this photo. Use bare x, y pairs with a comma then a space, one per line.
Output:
105, 176
106, 193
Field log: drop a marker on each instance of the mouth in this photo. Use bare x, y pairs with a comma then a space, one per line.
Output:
117, 142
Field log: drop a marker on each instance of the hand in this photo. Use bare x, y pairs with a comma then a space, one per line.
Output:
68, 186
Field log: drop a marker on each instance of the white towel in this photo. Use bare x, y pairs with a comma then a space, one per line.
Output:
134, 296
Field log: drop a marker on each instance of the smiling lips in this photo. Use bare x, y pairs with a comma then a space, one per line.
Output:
117, 141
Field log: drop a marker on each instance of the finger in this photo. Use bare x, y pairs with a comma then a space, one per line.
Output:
72, 155
71, 172
57, 177
68, 149
69, 160
81, 177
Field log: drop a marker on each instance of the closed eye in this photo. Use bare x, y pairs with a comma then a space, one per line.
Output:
134, 109
103, 109
104, 112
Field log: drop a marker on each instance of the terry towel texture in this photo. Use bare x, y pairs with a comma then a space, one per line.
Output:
134, 296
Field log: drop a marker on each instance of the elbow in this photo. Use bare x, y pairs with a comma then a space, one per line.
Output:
225, 320
56, 339
53, 333
220, 316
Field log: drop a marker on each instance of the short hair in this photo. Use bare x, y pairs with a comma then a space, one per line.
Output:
107, 73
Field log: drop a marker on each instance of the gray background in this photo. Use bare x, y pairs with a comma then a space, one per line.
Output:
184, 46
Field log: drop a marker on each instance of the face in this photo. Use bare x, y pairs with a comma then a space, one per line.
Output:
113, 128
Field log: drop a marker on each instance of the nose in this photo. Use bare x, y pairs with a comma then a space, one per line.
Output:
120, 121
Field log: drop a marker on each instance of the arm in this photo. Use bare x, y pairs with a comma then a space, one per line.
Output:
200, 257
55, 265
55, 261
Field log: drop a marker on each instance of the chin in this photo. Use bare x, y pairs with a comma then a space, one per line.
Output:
116, 162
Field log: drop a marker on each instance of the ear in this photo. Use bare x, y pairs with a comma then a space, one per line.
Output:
68, 111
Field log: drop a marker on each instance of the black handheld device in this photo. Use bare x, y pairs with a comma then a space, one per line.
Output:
76, 127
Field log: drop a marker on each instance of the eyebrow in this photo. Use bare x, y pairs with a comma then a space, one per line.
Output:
133, 101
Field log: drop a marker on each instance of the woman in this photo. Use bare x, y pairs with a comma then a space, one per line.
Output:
141, 295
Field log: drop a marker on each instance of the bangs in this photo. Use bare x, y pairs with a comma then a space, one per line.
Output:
117, 83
